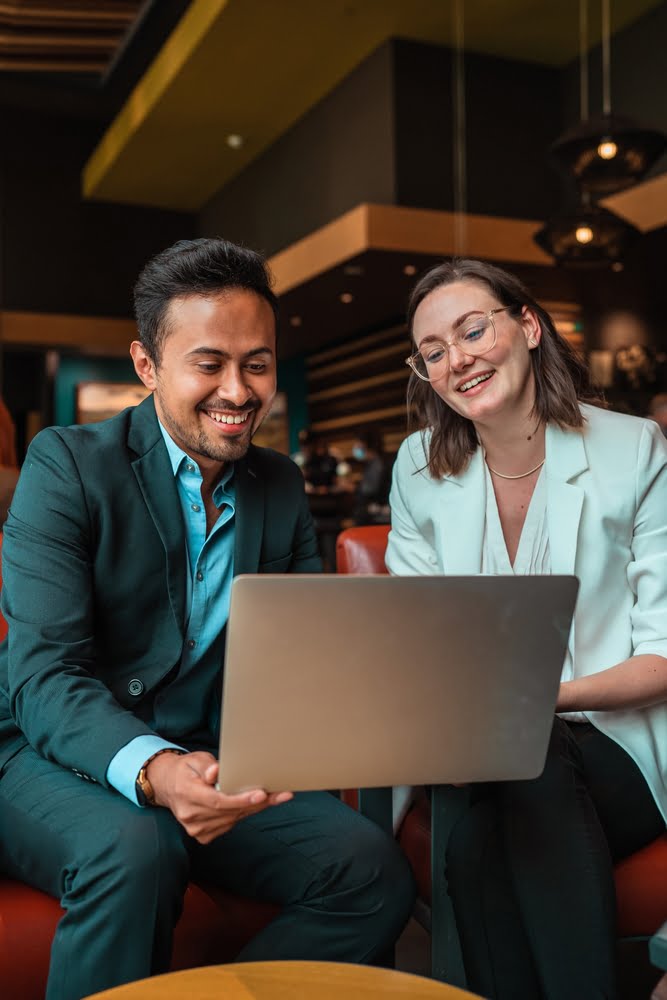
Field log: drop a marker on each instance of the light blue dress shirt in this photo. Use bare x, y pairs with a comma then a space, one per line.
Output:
209, 580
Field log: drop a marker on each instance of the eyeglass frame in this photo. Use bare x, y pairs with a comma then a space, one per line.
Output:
488, 315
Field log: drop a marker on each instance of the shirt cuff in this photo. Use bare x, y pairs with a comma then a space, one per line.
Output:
123, 770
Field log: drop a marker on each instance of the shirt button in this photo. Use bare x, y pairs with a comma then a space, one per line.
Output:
200, 575
196, 508
191, 645
135, 687
190, 468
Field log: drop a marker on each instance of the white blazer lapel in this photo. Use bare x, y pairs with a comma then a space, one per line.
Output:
461, 525
565, 459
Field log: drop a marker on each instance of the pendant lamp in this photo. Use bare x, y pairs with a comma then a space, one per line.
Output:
609, 152
590, 237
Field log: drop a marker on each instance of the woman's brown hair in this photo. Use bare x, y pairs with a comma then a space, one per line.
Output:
562, 379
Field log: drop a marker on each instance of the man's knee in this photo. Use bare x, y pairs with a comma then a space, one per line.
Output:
139, 855
371, 876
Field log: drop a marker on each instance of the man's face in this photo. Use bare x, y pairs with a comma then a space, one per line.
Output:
216, 377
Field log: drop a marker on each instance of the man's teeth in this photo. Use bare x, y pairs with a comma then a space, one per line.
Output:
223, 418
474, 381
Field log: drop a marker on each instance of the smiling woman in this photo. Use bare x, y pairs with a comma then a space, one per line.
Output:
511, 458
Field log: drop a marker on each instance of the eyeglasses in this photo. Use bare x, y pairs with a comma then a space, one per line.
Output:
476, 336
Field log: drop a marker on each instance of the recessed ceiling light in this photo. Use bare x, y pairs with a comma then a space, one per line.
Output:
346, 297
234, 140
353, 270
295, 321
409, 269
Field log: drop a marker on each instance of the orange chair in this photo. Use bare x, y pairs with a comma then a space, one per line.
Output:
213, 928
641, 879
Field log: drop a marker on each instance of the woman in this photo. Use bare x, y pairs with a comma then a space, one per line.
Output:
514, 471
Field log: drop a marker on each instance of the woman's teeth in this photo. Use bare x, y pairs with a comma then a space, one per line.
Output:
474, 381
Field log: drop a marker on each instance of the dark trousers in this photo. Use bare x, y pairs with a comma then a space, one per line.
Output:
121, 873
530, 870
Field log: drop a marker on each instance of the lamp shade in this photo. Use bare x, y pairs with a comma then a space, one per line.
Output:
608, 153
591, 237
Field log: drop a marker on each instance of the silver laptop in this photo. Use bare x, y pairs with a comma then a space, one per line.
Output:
363, 681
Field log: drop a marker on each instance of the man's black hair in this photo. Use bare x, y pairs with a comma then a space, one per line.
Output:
205, 267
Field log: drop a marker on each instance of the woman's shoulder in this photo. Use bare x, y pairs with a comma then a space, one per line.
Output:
599, 421
413, 452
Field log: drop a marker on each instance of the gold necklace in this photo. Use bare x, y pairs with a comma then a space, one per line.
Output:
523, 474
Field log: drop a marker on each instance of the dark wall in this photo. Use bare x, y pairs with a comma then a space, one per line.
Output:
58, 252
385, 135
338, 155
512, 113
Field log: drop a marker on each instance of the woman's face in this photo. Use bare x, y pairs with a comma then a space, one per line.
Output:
506, 373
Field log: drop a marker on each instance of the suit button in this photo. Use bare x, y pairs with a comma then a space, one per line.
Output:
135, 687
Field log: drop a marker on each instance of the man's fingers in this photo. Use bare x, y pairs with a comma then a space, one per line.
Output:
278, 798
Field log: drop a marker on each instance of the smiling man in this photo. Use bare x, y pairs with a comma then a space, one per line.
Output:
118, 558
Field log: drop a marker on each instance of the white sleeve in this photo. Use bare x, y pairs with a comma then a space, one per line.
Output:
409, 553
647, 572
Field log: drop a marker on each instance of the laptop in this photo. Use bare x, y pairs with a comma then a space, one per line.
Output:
365, 681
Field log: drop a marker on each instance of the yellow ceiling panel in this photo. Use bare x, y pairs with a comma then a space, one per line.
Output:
254, 67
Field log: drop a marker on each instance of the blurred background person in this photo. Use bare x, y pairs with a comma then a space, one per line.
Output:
372, 491
316, 462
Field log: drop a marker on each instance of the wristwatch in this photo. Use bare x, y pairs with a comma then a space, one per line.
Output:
142, 787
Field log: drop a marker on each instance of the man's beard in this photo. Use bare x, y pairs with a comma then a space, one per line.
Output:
198, 443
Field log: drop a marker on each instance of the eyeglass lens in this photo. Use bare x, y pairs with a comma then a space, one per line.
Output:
476, 337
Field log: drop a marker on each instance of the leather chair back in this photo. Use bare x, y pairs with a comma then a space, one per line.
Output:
361, 550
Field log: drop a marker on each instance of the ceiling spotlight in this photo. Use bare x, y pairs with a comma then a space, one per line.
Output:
295, 321
346, 298
591, 238
234, 140
409, 269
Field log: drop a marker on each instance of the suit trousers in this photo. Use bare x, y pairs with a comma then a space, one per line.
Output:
121, 873
530, 870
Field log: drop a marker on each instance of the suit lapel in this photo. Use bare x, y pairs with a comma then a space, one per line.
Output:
158, 486
249, 515
566, 459
461, 526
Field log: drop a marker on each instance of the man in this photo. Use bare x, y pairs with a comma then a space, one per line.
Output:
118, 557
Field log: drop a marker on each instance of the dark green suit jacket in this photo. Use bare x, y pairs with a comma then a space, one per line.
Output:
94, 574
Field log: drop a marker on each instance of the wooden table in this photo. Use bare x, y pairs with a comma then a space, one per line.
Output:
284, 981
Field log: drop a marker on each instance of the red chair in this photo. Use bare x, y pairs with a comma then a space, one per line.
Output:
641, 879
213, 928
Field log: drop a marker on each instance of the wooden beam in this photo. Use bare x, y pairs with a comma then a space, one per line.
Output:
93, 334
413, 230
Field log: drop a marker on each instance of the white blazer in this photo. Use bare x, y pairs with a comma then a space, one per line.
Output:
607, 523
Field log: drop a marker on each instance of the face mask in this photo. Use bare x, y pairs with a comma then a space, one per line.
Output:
359, 453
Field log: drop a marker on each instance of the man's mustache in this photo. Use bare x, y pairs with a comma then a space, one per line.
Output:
226, 404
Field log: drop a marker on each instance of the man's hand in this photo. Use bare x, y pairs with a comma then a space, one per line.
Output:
185, 784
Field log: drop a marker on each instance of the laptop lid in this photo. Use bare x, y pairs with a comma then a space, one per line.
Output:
362, 681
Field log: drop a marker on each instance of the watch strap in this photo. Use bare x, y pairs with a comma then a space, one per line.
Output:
142, 787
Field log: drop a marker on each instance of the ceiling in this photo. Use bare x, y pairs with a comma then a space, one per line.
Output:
63, 36
252, 68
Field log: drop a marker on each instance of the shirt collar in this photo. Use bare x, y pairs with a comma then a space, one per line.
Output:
177, 457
